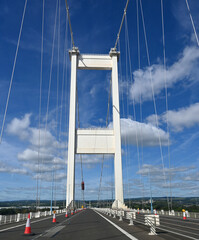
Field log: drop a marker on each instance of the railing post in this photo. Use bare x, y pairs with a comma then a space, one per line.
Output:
152, 221
114, 214
18, 217
131, 219
120, 214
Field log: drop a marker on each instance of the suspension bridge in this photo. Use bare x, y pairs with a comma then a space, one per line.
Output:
101, 112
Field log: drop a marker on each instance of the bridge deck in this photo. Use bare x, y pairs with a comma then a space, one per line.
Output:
85, 225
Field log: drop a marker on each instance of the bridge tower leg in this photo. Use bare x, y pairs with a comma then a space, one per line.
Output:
119, 200
72, 121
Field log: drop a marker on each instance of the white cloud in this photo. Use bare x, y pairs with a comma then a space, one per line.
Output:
30, 155
48, 177
185, 117
182, 178
8, 169
19, 127
192, 177
90, 159
185, 68
147, 134
51, 152
42, 138
46, 138
42, 168
158, 170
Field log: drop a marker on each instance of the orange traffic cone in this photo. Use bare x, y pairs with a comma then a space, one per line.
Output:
54, 218
155, 212
66, 214
28, 228
184, 216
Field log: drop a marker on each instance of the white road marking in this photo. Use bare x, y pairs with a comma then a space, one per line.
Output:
119, 228
182, 226
52, 232
176, 233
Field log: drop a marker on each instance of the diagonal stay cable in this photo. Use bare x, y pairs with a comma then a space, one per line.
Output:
153, 96
13, 71
107, 116
81, 163
49, 86
192, 22
166, 98
40, 95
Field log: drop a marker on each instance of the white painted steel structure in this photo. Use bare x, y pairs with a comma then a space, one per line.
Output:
95, 141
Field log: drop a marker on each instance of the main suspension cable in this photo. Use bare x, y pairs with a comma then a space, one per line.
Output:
68, 15
118, 35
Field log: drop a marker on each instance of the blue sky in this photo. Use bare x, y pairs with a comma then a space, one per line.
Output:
95, 26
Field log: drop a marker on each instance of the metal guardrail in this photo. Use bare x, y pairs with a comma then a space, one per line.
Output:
150, 220
5, 219
171, 213
179, 214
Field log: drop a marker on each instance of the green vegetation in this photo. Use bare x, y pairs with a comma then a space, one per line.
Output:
191, 204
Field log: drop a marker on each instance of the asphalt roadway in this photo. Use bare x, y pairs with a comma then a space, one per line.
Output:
183, 229
85, 225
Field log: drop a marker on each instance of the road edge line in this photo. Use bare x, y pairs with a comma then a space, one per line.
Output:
119, 228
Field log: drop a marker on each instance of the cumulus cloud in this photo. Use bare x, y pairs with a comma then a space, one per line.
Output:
158, 170
192, 177
48, 177
147, 134
30, 155
42, 138
182, 178
89, 160
19, 127
42, 168
184, 68
8, 169
51, 152
185, 117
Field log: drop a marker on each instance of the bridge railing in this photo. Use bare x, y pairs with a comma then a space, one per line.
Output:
150, 221
179, 214
5, 219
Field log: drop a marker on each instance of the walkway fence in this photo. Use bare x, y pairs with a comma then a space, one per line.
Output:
171, 213
149, 220
152, 221
23, 216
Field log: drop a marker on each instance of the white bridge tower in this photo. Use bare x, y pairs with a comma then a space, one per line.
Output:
95, 141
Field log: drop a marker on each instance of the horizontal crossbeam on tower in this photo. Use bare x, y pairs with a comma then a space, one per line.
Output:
94, 62
95, 141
